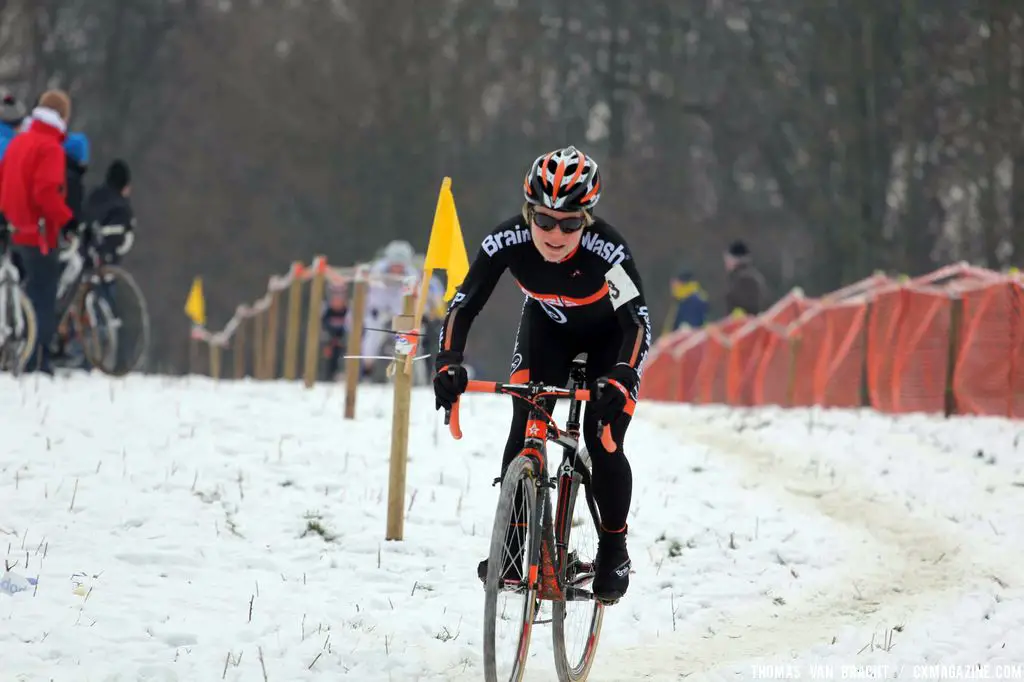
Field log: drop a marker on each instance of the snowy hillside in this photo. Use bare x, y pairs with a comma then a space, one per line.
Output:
187, 530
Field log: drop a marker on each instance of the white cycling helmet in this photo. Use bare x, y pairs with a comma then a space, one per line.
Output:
399, 251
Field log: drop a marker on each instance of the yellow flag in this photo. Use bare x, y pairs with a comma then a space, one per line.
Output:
446, 250
195, 306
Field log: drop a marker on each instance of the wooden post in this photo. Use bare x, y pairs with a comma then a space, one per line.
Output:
956, 315
353, 366
421, 306
193, 355
865, 393
291, 341
316, 300
271, 346
215, 353
258, 338
240, 347
400, 426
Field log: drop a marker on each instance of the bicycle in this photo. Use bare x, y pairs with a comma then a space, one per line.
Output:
553, 571
18, 329
85, 302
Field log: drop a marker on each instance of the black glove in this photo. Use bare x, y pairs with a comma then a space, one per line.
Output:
450, 381
613, 392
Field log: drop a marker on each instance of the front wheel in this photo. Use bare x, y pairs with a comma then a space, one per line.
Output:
18, 331
510, 601
576, 621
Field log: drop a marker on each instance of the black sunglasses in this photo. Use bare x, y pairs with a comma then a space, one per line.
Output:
566, 225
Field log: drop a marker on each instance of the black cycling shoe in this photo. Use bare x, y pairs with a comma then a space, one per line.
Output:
513, 573
611, 567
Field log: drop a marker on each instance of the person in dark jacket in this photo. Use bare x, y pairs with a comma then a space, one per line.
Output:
32, 191
333, 331
746, 289
690, 301
111, 221
76, 149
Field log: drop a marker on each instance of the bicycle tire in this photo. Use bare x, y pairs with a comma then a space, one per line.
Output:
567, 670
521, 470
30, 333
94, 351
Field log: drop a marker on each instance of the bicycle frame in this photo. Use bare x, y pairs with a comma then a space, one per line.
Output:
541, 428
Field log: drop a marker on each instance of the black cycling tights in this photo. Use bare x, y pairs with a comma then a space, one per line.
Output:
546, 350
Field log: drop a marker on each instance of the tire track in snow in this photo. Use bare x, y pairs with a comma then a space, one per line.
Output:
909, 564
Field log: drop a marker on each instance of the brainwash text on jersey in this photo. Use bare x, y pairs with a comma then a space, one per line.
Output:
613, 253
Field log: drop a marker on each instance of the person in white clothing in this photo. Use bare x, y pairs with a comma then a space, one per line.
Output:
390, 277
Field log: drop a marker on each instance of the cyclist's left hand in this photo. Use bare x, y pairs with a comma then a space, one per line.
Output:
614, 392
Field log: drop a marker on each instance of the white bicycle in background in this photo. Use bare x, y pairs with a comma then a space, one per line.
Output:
18, 328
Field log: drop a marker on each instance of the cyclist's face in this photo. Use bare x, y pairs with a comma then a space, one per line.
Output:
555, 243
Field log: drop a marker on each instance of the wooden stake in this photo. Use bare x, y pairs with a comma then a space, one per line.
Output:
353, 366
291, 341
215, 361
400, 428
240, 347
271, 345
316, 299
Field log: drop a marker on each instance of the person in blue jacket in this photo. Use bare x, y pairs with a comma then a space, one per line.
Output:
12, 115
76, 151
690, 302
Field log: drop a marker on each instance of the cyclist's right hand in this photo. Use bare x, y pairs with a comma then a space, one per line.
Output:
450, 382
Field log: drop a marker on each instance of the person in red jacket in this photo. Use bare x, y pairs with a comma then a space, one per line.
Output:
32, 199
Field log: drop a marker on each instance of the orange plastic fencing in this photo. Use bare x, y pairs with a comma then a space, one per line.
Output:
659, 370
909, 349
828, 355
750, 341
949, 341
989, 365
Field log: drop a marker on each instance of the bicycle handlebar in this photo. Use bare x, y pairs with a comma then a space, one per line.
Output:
476, 386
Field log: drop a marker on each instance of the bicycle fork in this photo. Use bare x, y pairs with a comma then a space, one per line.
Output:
548, 551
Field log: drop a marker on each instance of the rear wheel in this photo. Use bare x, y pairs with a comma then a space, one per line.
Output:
576, 622
115, 321
510, 602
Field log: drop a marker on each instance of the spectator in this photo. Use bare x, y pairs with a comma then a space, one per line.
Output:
690, 301
333, 328
110, 217
76, 149
32, 198
745, 289
12, 115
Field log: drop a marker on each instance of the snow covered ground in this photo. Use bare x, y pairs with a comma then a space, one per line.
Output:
167, 523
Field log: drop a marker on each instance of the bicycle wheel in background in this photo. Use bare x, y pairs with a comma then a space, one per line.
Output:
18, 330
576, 624
509, 603
115, 321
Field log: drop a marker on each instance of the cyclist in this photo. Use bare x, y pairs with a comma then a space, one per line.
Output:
334, 329
583, 295
384, 297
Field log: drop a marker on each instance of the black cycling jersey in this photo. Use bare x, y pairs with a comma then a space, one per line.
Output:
594, 286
